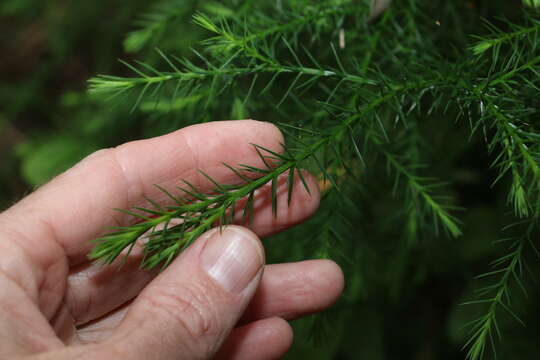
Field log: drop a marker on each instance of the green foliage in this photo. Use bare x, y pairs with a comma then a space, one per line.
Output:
153, 25
41, 162
533, 3
422, 126
198, 212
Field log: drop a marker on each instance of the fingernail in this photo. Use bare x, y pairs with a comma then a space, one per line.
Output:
232, 257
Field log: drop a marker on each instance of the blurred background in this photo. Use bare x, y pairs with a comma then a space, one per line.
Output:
50, 48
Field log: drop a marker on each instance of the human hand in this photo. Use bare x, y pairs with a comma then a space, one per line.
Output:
213, 300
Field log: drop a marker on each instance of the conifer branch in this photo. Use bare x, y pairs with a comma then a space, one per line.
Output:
515, 140
163, 244
150, 78
227, 41
503, 37
197, 211
519, 159
153, 24
421, 189
291, 20
485, 330
519, 154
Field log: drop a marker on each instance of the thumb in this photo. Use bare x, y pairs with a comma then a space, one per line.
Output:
190, 308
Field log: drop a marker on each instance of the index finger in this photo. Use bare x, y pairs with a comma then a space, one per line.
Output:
78, 205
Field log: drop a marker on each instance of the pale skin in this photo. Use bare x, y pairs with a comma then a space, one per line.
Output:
55, 304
